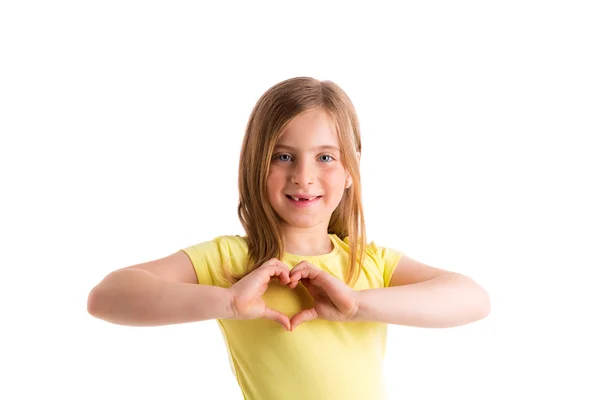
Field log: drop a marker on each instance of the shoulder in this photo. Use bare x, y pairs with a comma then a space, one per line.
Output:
383, 252
232, 243
220, 244
373, 249
211, 257
384, 259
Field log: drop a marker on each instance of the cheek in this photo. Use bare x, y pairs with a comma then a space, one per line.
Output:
335, 177
275, 177
275, 182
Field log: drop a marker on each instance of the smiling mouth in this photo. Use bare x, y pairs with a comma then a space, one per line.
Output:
302, 199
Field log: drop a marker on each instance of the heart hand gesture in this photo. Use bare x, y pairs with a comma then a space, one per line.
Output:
333, 299
246, 295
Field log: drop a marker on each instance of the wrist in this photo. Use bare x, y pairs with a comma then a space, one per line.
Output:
229, 304
364, 309
358, 315
207, 302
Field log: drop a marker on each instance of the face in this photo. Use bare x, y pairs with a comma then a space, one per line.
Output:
307, 179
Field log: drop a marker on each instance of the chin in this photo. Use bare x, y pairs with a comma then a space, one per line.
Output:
303, 223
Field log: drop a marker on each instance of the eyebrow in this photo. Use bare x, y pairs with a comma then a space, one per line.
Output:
326, 147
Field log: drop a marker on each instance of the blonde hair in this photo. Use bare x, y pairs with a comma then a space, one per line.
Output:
275, 109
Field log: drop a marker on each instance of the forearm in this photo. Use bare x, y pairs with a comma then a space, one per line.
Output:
138, 298
446, 301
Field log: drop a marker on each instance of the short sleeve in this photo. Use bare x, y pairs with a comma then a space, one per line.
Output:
212, 257
388, 259
206, 259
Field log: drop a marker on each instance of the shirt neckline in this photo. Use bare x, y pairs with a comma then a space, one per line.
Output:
336, 249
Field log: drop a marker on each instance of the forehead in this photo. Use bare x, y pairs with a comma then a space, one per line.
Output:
311, 129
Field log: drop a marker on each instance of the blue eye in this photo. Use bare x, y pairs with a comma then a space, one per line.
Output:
327, 160
279, 157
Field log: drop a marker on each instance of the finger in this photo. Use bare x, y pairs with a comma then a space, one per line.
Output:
307, 273
276, 269
295, 280
293, 283
282, 278
304, 281
284, 275
301, 265
295, 273
277, 316
303, 316
317, 281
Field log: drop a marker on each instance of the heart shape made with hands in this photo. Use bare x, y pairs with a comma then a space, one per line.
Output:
333, 299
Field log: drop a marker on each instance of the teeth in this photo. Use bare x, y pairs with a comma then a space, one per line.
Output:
298, 198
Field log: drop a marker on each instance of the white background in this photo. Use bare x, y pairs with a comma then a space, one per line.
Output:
121, 126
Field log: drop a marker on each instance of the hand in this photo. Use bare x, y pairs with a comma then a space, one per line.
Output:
246, 294
333, 299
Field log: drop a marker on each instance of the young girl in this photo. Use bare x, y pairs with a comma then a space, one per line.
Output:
302, 299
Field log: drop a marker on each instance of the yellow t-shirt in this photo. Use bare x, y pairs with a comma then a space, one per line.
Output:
319, 360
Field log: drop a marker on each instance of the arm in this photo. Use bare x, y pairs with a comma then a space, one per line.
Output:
159, 292
424, 296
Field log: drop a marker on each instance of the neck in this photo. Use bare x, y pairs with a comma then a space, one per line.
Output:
307, 242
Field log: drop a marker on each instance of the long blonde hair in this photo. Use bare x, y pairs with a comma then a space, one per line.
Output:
275, 109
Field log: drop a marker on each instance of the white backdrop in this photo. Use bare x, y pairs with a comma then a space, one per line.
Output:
121, 126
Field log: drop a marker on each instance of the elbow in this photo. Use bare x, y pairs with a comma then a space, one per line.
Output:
479, 300
100, 297
488, 305
484, 307
94, 303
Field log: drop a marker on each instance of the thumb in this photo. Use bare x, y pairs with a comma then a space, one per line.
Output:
277, 316
303, 316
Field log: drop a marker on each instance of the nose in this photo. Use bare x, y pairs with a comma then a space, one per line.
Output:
303, 173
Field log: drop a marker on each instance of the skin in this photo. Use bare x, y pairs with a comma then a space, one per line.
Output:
306, 160
333, 299
419, 294
300, 166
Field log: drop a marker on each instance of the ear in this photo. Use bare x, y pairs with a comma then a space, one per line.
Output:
348, 177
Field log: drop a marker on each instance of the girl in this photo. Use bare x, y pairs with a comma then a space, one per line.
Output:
302, 300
